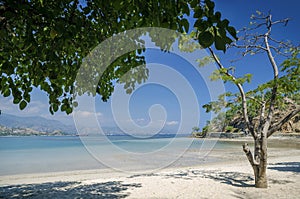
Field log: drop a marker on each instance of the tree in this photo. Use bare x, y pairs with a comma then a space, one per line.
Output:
267, 97
43, 42
197, 133
195, 129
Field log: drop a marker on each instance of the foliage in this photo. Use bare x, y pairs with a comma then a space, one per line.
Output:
233, 105
229, 129
197, 133
195, 129
229, 105
43, 43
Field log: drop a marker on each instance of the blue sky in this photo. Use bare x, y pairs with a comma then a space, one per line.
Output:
238, 12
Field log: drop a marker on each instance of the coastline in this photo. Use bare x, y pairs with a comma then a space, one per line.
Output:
229, 178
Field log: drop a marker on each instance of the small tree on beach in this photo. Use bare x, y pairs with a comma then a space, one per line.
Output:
265, 99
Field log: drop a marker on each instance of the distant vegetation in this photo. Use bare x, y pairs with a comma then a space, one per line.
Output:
6, 131
197, 133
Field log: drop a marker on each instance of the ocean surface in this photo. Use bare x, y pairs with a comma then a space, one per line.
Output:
39, 154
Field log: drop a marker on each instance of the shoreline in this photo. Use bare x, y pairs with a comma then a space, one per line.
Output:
224, 135
229, 179
276, 146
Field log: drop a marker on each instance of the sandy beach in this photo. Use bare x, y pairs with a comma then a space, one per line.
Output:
230, 178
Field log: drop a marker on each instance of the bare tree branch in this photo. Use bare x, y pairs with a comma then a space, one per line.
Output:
278, 51
261, 102
250, 46
285, 21
250, 49
281, 42
249, 155
242, 92
275, 77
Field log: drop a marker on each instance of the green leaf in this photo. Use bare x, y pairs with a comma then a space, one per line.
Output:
206, 39
22, 104
53, 34
194, 3
232, 31
139, 51
198, 12
207, 107
248, 77
75, 104
69, 110
218, 16
205, 60
6, 92
185, 24
129, 91
224, 23
16, 100
210, 4
51, 110
201, 25
215, 75
227, 40
63, 107
55, 107
220, 44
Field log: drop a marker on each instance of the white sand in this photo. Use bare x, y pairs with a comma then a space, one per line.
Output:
215, 180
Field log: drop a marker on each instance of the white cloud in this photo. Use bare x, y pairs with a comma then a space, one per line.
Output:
88, 114
172, 123
33, 108
140, 120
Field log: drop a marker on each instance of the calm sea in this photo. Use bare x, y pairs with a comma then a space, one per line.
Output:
38, 154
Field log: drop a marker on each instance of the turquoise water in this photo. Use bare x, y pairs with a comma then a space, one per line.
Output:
51, 154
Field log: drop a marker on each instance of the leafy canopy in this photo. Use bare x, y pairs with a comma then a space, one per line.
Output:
288, 86
43, 42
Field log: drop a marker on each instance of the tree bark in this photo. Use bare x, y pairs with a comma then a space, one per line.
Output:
261, 178
258, 161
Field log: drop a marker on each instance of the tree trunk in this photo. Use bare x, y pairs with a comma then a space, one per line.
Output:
259, 161
260, 175
261, 158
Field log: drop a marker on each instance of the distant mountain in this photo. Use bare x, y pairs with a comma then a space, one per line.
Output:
42, 126
36, 123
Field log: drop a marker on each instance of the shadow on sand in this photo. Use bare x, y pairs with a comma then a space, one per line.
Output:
236, 179
286, 166
112, 189
232, 178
